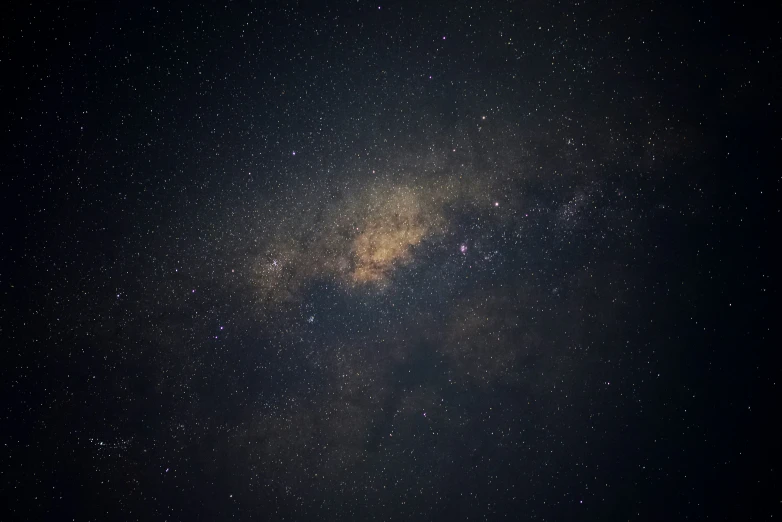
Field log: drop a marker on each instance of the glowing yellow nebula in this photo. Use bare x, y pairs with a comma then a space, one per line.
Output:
357, 240
393, 227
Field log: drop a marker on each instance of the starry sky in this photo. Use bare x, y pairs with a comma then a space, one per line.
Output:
418, 261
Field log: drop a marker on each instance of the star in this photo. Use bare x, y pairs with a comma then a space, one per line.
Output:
427, 297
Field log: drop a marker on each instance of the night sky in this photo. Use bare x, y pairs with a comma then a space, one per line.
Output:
403, 261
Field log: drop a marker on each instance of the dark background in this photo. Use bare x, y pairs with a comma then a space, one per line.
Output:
603, 349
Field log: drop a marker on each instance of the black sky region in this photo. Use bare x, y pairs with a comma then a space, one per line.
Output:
421, 261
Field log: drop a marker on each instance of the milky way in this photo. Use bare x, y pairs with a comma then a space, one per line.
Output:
410, 261
398, 287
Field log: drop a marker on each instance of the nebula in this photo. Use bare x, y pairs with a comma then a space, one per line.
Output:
391, 232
